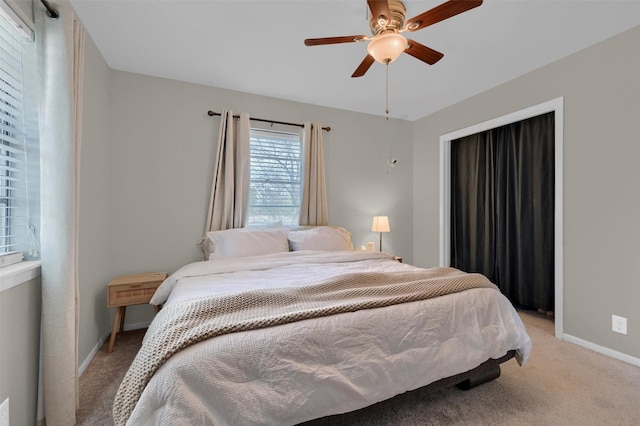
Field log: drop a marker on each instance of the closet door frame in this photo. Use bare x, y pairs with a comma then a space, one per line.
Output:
555, 105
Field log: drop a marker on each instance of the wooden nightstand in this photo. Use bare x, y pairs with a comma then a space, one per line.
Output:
127, 290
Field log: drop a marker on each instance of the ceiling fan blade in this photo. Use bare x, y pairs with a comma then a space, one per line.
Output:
364, 66
440, 13
379, 8
334, 40
422, 52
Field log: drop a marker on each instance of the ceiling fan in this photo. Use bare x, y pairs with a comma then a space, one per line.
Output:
387, 22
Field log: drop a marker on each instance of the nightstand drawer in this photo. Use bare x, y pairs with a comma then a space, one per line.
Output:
133, 289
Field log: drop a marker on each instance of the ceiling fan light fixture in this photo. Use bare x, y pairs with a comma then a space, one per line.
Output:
385, 48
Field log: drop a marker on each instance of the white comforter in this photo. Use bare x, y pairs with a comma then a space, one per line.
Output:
317, 367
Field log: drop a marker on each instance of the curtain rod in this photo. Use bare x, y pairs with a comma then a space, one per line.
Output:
53, 14
212, 113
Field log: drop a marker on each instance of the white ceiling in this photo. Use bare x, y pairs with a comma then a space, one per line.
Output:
256, 46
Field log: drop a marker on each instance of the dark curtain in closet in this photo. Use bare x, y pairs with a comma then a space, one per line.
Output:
502, 209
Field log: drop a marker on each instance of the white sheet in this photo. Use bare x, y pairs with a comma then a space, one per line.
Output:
299, 371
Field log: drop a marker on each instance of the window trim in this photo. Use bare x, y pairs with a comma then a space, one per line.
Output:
19, 273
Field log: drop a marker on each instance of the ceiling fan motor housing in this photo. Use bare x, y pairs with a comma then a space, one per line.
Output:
394, 23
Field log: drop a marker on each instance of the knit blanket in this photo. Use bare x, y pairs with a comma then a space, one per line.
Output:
182, 324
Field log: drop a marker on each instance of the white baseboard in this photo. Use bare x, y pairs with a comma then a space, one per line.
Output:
103, 339
602, 349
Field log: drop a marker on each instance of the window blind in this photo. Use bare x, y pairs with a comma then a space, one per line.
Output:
275, 177
14, 233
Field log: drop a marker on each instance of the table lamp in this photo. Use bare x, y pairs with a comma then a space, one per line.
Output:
380, 224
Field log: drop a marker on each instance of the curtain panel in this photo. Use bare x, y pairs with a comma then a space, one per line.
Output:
229, 200
60, 45
503, 206
313, 207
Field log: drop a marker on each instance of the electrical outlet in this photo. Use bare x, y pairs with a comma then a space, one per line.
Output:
4, 413
619, 324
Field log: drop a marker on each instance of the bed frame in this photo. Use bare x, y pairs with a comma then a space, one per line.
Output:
485, 372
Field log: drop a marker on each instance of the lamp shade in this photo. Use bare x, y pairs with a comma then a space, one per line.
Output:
385, 48
380, 224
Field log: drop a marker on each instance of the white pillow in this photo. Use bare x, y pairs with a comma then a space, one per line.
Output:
320, 238
241, 242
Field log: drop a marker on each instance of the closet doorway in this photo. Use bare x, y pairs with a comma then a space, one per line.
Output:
494, 151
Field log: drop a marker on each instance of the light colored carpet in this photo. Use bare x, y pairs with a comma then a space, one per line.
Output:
99, 382
561, 384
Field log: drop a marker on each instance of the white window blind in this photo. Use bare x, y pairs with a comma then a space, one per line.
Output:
276, 172
16, 117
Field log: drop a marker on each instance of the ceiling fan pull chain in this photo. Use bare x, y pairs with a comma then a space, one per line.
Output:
386, 111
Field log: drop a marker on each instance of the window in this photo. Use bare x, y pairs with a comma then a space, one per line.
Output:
18, 139
275, 177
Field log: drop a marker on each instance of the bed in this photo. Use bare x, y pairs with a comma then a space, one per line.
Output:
264, 332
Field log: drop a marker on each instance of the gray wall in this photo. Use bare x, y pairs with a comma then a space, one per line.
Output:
601, 90
162, 163
19, 350
95, 236
146, 168
147, 164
